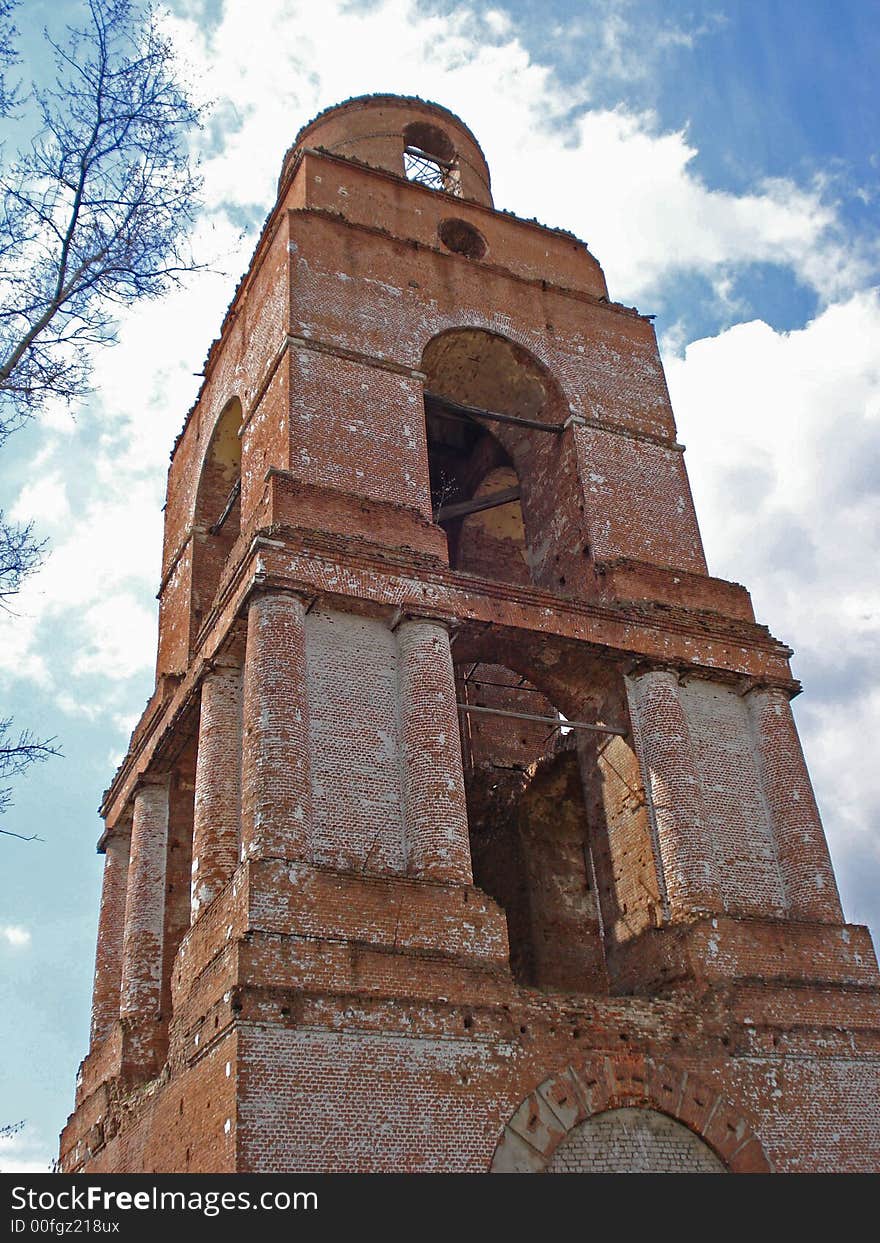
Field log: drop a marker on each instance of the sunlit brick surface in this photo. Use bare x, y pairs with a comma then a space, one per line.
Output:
633, 1141
469, 824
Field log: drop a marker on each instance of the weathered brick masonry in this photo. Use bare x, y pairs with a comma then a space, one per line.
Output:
467, 827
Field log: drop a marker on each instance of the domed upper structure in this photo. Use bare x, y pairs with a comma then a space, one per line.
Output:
404, 135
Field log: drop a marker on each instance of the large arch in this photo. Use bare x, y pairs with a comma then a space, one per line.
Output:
528, 828
550, 1118
538, 535
217, 511
575, 796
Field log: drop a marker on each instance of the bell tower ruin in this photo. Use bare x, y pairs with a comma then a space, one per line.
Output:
467, 828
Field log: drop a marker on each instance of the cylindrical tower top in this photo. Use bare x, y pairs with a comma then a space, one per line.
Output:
407, 136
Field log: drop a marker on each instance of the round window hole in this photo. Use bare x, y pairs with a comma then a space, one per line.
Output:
462, 238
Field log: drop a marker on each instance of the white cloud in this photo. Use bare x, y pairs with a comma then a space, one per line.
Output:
780, 427
783, 435
121, 638
43, 499
611, 176
15, 935
632, 192
25, 1152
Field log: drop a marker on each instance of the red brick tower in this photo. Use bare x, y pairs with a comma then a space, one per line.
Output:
468, 827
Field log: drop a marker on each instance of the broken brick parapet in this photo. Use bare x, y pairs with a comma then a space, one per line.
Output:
721, 947
515, 246
626, 579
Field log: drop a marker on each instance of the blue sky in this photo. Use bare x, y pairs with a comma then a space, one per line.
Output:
722, 162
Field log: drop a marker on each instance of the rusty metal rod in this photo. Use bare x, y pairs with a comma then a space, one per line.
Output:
227, 508
548, 720
457, 410
461, 509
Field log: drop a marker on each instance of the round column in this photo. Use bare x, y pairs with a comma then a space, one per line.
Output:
111, 930
276, 783
802, 851
671, 777
141, 976
217, 807
435, 810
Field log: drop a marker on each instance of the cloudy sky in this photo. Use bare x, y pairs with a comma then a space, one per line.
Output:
721, 160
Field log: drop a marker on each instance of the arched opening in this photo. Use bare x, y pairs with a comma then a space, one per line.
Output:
217, 520
626, 1115
462, 238
633, 1141
530, 847
503, 480
560, 829
429, 157
475, 494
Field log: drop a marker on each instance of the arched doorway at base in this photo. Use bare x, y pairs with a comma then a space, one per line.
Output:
662, 1111
633, 1140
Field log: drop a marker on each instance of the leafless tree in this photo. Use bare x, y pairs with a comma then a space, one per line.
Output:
18, 752
95, 211
8, 57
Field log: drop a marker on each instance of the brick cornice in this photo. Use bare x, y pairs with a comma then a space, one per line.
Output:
310, 563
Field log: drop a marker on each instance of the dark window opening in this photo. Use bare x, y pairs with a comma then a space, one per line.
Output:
528, 830
462, 238
490, 413
475, 496
217, 521
429, 158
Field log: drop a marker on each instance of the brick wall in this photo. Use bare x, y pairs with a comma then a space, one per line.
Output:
633, 1141
654, 923
354, 741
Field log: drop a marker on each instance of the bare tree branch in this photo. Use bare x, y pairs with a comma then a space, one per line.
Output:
17, 754
95, 211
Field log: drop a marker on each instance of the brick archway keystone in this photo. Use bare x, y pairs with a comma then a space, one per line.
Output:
570, 1097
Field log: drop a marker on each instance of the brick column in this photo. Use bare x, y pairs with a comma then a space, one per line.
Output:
804, 862
276, 784
671, 778
111, 929
217, 807
141, 977
435, 813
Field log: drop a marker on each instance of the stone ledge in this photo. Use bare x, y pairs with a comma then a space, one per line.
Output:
726, 948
